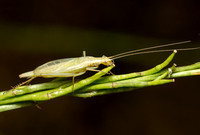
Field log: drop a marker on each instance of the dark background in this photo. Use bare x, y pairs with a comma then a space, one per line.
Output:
33, 32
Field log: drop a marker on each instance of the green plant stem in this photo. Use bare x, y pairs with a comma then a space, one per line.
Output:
186, 73
50, 94
189, 67
30, 89
138, 74
127, 83
94, 85
15, 106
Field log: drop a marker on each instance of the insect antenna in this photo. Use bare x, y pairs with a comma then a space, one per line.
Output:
148, 48
155, 51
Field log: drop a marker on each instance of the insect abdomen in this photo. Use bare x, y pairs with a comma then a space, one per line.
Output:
27, 74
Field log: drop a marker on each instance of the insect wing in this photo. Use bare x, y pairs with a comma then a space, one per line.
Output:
54, 62
56, 66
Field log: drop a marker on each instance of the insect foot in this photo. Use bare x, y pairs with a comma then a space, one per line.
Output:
49, 96
13, 92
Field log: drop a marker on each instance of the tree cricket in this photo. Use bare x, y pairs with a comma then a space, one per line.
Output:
72, 67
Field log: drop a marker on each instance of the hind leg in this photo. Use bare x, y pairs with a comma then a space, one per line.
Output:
25, 82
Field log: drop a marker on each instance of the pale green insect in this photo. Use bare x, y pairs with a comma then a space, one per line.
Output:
72, 67
68, 67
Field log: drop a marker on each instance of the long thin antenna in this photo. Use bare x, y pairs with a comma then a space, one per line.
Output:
155, 51
148, 48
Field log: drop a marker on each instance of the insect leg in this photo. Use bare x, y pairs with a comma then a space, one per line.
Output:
111, 73
73, 83
27, 81
37, 105
84, 53
95, 70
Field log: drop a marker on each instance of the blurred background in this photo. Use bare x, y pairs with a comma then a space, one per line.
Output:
34, 32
